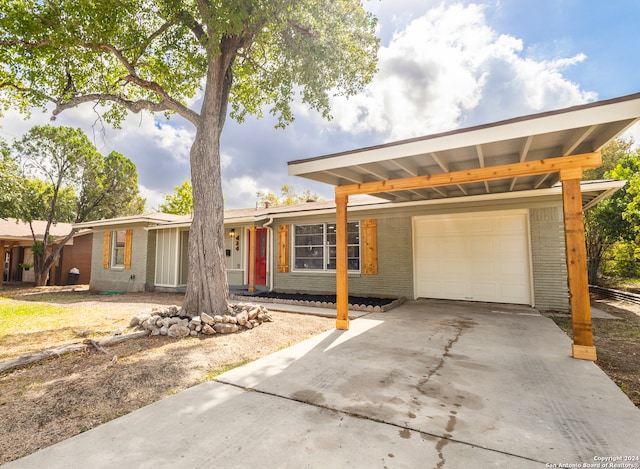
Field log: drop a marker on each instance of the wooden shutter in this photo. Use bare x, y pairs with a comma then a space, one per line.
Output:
368, 228
283, 248
106, 250
127, 248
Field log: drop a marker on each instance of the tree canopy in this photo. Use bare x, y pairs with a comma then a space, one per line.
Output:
153, 54
161, 55
615, 219
63, 178
288, 196
180, 202
9, 186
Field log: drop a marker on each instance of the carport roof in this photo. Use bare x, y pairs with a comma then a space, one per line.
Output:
572, 131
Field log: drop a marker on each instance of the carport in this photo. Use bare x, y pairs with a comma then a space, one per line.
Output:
521, 154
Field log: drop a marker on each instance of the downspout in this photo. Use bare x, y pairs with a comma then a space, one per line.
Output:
270, 263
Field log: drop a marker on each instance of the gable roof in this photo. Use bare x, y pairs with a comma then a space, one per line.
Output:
12, 229
571, 131
147, 218
592, 193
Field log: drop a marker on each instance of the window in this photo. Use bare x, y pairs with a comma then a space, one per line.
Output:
117, 249
118, 240
315, 246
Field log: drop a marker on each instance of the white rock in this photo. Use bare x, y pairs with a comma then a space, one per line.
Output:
164, 330
207, 319
248, 325
218, 318
242, 318
193, 333
176, 330
138, 318
207, 329
253, 312
225, 328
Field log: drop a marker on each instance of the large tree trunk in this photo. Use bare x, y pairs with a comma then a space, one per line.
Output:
207, 288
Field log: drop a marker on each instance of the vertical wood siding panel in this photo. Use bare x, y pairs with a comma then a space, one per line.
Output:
283, 248
106, 250
369, 247
127, 248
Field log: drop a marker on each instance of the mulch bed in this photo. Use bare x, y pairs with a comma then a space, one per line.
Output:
359, 300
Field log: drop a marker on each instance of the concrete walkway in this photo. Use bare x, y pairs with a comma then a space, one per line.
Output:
429, 384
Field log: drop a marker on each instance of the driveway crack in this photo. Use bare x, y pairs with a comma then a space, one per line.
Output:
445, 439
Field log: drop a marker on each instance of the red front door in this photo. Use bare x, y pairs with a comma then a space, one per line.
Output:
261, 256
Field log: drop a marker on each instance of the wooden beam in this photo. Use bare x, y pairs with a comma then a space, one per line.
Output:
577, 138
482, 165
342, 280
524, 152
379, 172
491, 173
346, 175
252, 259
583, 347
443, 166
407, 167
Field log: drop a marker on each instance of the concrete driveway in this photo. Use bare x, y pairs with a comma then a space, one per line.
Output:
430, 384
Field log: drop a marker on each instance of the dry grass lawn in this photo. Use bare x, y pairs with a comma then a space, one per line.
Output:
48, 402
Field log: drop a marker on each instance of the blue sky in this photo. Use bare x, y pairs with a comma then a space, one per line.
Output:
442, 65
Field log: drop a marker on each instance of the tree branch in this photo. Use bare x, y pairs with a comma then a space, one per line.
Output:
115, 52
28, 45
133, 106
161, 30
306, 31
196, 28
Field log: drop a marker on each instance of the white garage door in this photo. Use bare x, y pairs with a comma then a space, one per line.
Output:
476, 257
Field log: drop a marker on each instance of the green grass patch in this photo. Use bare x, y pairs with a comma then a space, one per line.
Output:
211, 375
29, 317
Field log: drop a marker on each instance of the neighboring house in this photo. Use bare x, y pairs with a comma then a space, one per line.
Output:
15, 245
124, 251
500, 238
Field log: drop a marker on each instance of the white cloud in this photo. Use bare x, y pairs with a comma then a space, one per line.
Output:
449, 69
241, 191
633, 133
153, 198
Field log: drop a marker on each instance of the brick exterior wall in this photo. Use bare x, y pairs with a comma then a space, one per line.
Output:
395, 253
119, 279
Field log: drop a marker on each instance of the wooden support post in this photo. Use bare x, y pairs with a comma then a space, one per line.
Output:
342, 281
583, 347
252, 259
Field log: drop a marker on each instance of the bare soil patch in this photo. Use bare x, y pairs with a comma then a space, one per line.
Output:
54, 400
617, 343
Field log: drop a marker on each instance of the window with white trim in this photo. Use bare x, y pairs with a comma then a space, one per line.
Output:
118, 240
314, 246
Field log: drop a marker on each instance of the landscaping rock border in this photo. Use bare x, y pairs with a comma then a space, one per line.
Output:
167, 320
320, 304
